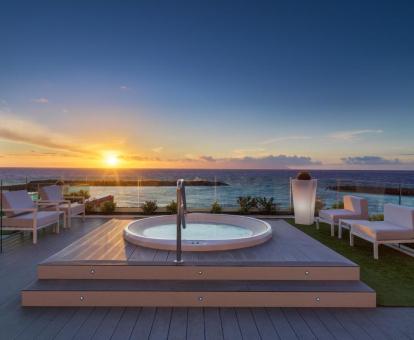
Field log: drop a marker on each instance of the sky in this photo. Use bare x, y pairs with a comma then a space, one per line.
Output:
207, 84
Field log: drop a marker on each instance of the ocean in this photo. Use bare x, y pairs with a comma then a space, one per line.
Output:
264, 183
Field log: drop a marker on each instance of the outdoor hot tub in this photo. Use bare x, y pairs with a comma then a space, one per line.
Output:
204, 232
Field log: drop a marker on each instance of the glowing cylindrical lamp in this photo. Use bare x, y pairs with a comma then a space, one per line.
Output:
304, 196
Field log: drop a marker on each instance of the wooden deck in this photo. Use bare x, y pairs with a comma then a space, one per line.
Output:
18, 269
289, 270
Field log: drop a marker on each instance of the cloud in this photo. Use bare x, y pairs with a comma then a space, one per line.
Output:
369, 160
158, 149
41, 100
283, 139
124, 88
352, 135
139, 158
207, 158
24, 131
265, 162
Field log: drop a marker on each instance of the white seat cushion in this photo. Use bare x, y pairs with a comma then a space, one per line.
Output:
337, 214
382, 231
44, 218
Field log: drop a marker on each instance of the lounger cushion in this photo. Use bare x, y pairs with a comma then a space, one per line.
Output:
337, 214
19, 199
51, 193
356, 204
44, 218
382, 231
400, 215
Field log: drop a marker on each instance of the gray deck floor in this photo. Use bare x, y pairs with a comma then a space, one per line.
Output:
18, 269
288, 246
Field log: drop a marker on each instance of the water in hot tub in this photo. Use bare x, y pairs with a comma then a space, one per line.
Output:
199, 231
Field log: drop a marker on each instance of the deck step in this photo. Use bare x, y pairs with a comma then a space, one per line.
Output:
156, 293
284, 271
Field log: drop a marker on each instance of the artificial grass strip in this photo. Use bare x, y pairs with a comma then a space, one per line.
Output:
392, 276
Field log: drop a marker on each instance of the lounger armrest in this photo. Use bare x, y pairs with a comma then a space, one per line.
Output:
82, 198
47, 203
50, 202
20, 209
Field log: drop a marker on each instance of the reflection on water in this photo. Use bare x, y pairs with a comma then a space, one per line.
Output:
199, 231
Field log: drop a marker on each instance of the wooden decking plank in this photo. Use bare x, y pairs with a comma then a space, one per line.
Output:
89, 246
355, 330
247, 323
178, 325
126, 324
62, 317
143, 325
38, 325
108, 324
370, 327
280, 323
230, 324
317, 327
15, 319
402, 319
299, 326
74, 324
99, 248
92, 323
212, 324
334, 326
195, 324
161, 324
142, 254
161, 256
80, 244
264, 324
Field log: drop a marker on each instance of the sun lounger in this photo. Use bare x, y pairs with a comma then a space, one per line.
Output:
53, 194
355, 208
23, 214
397, 227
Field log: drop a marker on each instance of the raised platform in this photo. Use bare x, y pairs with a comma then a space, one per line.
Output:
292, 269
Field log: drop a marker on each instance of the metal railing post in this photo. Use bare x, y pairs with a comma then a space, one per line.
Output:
181, 211
399, 194
1, 216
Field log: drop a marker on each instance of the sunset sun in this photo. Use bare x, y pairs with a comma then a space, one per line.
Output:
111, 160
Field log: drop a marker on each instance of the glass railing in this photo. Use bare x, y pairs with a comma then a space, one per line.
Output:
130, 193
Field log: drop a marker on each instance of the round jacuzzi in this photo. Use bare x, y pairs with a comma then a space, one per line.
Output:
204, 232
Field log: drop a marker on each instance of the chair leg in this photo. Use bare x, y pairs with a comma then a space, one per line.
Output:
351, 239
317, 223
58, 225
35, 230
333, 229
375, 245
340, 230
83, 215
69, 221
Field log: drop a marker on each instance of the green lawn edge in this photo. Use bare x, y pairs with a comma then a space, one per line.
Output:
392, 276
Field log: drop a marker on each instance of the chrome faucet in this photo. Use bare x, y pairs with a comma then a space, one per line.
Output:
181, 212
